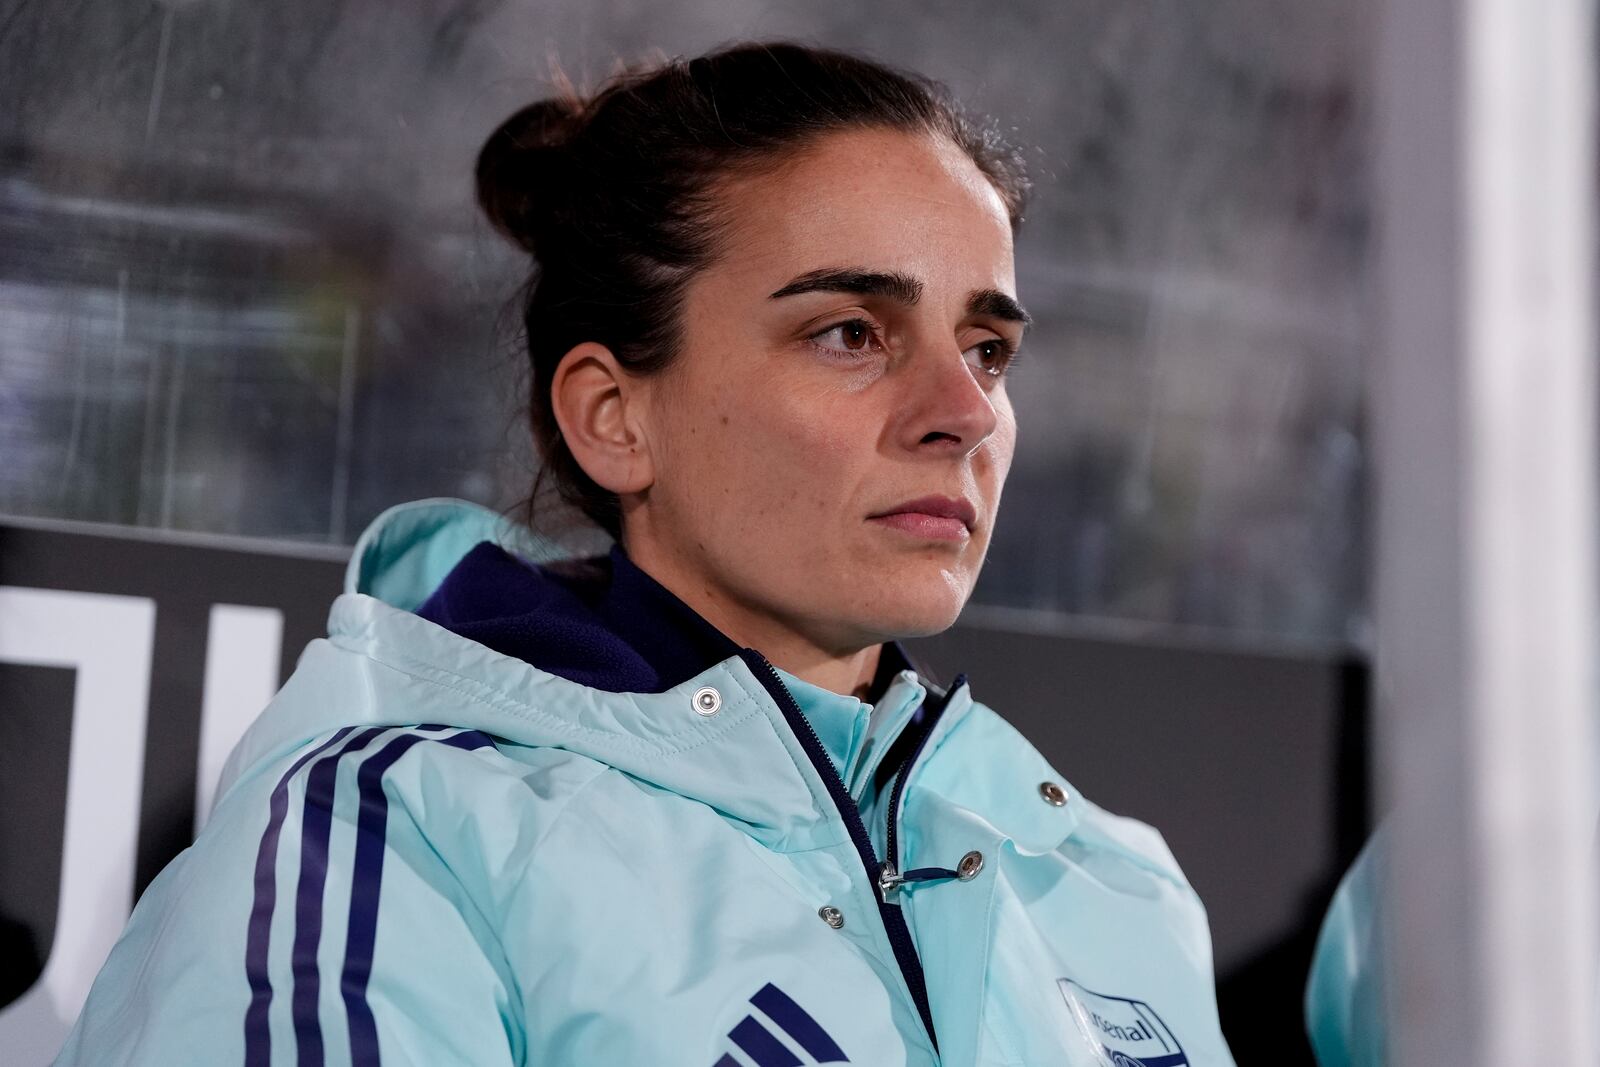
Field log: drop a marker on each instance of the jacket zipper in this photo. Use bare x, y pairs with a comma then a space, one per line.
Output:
890, 878
894, 922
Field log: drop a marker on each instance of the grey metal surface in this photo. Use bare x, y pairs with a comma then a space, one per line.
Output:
243, 288
1483, 403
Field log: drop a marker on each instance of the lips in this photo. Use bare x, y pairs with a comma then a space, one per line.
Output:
940, 517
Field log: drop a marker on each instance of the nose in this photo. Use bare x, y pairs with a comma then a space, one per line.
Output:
950, 411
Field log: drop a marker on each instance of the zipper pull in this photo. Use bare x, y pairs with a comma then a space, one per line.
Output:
889, 880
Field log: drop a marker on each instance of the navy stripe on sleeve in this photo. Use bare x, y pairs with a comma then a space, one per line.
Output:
367, 874
367, 883
257, 1034
316, 825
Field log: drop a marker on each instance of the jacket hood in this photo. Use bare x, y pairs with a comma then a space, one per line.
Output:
601, 622
606, 687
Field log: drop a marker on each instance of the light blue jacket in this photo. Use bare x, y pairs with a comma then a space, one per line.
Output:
1346, 993
427, 852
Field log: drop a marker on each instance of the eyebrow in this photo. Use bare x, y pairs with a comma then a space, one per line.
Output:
899, 287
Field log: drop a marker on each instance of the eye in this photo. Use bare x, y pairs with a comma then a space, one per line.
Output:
993, 356
848, 337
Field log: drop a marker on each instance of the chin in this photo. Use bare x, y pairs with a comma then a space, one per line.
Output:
900, 594
921, 616
913, 628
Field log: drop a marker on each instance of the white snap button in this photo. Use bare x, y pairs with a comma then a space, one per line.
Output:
969, 866
707, 701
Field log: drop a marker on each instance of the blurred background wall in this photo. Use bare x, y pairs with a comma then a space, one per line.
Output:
243, 288
244, 293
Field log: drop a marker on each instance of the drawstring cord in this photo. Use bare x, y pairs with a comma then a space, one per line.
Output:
890, 880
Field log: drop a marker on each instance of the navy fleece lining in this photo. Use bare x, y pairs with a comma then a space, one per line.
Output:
601, 622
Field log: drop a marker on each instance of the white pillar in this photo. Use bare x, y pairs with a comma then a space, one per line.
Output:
1483, 402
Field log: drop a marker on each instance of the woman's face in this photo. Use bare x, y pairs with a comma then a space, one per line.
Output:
830, 446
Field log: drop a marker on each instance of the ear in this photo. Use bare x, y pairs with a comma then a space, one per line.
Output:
600, 409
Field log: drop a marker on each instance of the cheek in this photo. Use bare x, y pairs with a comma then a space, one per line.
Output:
1002, 444
795, 466
998, 452
798, 451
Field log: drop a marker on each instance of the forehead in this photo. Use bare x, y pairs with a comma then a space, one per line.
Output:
880, 199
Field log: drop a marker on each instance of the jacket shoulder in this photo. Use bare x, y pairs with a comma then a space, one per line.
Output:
411, 837
1005, 776
449, 785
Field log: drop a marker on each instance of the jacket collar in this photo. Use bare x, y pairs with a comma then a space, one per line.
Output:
382, 664
601, 621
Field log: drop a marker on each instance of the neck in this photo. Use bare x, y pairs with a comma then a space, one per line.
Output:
851, 675
848, 670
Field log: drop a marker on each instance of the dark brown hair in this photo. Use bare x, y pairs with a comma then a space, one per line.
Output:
614, 196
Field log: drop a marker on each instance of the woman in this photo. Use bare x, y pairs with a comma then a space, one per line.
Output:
687, 802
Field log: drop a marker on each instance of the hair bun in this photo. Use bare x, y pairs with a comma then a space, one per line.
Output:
522, 169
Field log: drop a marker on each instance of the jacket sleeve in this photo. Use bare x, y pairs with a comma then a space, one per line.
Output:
1345, 996
320, 918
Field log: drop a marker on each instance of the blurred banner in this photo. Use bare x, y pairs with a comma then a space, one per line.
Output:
129, 666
